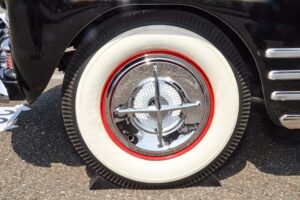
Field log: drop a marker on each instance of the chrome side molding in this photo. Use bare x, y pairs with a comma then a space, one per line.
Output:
290, 121
285, 96
284, 75
282, 53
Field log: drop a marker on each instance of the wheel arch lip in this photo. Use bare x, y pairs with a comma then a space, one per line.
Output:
201, 11
36, 72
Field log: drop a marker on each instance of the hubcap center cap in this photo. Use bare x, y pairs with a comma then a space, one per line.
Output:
144, 98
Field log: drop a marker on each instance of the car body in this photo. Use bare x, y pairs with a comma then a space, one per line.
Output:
265, 32
256, 26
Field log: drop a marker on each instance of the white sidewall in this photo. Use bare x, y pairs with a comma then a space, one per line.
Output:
93, 79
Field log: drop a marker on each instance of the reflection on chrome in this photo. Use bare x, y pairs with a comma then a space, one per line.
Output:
158, 105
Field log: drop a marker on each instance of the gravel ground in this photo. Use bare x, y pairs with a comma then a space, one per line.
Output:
37, 161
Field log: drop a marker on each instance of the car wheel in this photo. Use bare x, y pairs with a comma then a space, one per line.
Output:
156, 99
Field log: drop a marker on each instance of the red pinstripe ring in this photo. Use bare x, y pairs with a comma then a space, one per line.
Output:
126, 62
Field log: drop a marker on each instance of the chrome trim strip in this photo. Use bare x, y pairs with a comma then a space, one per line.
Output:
154, 109
285, 96
284, 75
283, 53
290, 121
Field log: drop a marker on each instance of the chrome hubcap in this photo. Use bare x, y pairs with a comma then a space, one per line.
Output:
157, 105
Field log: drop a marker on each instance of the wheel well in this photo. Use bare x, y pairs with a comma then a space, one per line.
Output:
234, 36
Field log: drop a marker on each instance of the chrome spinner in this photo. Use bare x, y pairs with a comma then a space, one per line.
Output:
158, 105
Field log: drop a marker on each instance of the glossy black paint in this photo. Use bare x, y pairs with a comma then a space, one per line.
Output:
41, 30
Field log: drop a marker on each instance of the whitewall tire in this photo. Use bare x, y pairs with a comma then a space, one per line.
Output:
91, 70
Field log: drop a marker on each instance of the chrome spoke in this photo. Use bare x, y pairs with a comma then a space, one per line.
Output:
159, 129
153, 109
124, 111
185, 106
156, 84
159, 117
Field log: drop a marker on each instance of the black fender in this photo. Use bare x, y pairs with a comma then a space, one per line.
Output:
48, 27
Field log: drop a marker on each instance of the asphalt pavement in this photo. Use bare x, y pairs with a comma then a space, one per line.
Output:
37, 161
